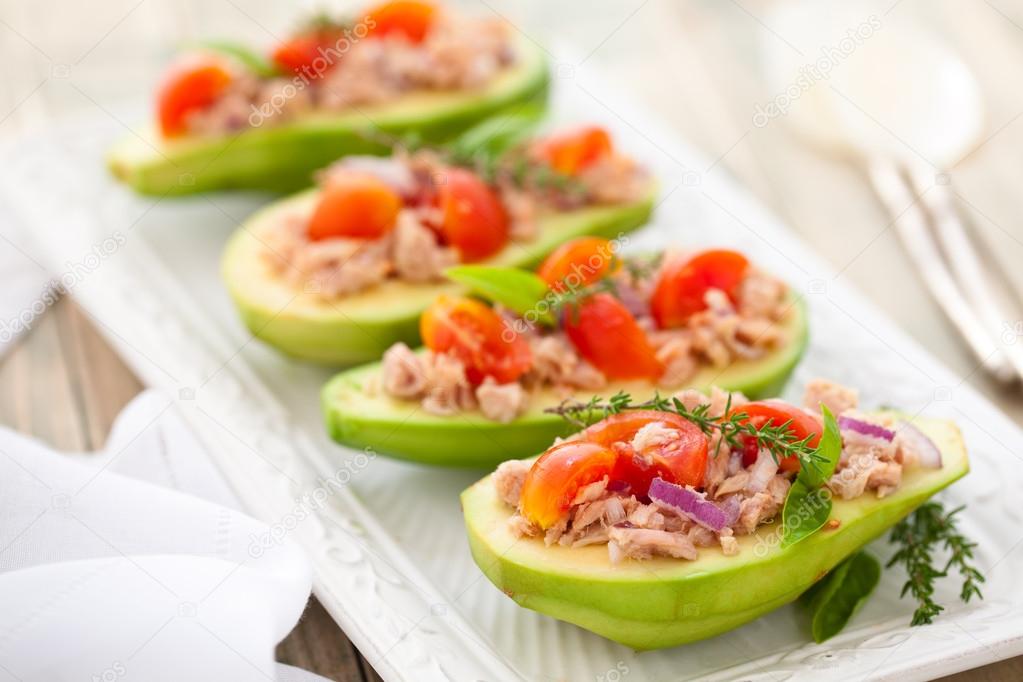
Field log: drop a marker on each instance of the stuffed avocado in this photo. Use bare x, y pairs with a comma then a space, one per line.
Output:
664, 526
481, 390
229, 118
338, 274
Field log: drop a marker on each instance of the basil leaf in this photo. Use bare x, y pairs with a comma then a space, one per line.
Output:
518, 290
251, 60
808, 504
839, 594
805, 512
829, 450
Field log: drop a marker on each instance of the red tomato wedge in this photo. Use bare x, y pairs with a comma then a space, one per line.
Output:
309, 54
577, 263
681, 458
409, 18
684, 282
356, 205
608, 336
554, 479
576, 150
473, 218
188, 87
776, 413
476, 335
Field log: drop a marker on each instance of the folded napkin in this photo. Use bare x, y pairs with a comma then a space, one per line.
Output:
135, 564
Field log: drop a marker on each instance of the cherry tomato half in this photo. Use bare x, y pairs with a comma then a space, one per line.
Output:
477, 336
681, 459
473, 218
776, 413
608, 336
683, 283
310, 54
356, 205
556, 477
409, 18
188, 87
576, 150
576, 263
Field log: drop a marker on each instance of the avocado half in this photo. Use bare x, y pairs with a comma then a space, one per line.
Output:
360, 327
402, 429
659, 603
282, 158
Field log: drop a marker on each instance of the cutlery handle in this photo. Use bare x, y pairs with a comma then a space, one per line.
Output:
911, 226
964, 259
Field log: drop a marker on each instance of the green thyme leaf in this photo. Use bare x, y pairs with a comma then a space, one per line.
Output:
918, 536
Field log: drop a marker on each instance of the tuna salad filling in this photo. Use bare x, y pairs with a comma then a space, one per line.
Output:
330, 66
411, 216
626, 325
720, 494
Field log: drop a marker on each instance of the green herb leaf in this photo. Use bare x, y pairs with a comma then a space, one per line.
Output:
808, 503
830, 450
918, 536
521, 291
251, 60
805, 512
493, 137
839, 594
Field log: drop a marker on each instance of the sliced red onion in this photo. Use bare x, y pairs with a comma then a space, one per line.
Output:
391, 171
689, 503
917, 441
865, 428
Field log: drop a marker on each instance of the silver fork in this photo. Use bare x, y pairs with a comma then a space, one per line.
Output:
940, 247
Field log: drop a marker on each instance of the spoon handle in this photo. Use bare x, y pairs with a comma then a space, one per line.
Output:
911, 224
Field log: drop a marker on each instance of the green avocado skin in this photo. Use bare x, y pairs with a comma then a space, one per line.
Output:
283, 158
664, 602
402, 429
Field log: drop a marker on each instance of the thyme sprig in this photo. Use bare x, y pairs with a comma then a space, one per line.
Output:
734, 428
918, 536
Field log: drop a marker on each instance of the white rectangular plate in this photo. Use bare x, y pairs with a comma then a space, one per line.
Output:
387, 538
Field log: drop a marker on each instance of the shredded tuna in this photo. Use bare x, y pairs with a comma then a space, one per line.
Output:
733, 484
508, 480
641, 543
447, 389
729, 545
762, 471
555, 362
418, 257
754, 511
522, 209
403, 373
520, 527
501, 402
614, 179
837, 398
590, 492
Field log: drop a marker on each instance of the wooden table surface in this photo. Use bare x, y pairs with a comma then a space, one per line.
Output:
694, 62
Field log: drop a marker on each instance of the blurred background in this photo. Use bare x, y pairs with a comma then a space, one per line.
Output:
797, 101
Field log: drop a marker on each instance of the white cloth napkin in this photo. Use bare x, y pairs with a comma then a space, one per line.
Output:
113, 568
